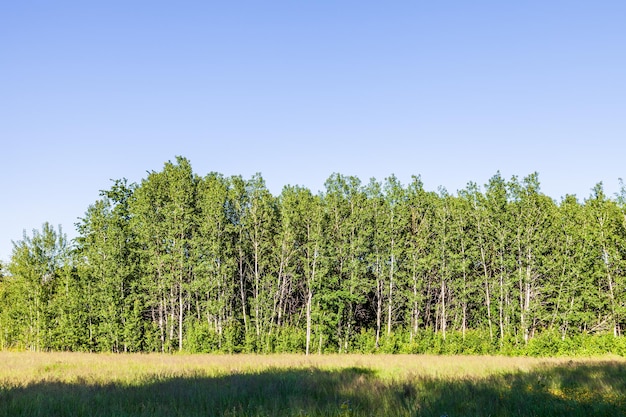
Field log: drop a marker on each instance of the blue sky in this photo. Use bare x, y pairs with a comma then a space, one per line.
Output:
452, 91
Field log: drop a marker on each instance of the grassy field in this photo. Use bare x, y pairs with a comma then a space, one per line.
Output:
72, 384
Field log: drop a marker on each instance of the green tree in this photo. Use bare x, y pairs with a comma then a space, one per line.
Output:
68, 318
419, 240
314, 260
180, 262
260, 230
238, 203
607, 237
467, 277
533, 214
163, 212
108, 247
393, 222
346, 285
214, 287
572, 289
496, 252
36, 263
299, 246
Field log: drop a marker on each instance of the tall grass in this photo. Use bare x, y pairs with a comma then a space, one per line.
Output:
70, 384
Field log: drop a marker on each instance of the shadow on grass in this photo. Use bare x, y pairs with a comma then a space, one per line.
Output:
571, 390
591, 389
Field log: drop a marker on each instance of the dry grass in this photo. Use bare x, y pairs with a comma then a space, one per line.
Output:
28, 367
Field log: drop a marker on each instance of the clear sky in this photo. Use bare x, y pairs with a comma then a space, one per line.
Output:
450, 90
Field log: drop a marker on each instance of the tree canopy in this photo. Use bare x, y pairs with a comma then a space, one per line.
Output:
219, 264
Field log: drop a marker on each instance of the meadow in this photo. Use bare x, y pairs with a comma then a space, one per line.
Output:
81, 384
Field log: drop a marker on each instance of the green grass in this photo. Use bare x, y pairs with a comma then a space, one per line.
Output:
64, 384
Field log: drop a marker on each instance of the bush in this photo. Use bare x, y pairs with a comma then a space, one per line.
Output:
478, 342
233, 337
544, 344
391, 343
290, 340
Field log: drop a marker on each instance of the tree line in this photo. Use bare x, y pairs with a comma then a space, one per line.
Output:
219, 264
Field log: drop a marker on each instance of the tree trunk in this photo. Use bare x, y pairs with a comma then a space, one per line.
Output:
379, 308
443, 309
180, 315
487, 294
390, 305
308, 320
242, 293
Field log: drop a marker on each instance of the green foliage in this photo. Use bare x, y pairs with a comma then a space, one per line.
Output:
200, 337
365, 341
31, 292
217, 264
290, 340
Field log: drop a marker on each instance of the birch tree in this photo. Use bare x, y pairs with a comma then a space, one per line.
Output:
163, 209
214, 286
36, 263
